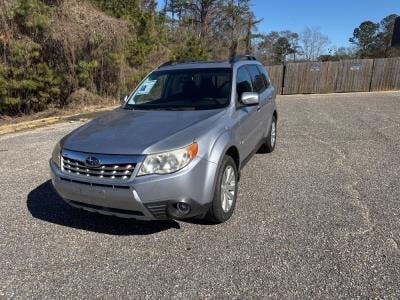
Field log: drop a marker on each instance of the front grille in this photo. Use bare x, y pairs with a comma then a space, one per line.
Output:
112, 171
108, 167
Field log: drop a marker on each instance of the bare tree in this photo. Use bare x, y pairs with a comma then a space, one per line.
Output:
314, 43
236, 23
205, 10
198, 13
4, 28
251, 28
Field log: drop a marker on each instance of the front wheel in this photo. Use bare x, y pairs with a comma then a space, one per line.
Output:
225, 194
270, 142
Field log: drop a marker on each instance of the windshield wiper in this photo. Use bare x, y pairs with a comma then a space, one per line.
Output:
177, 108
158, 107
129, 107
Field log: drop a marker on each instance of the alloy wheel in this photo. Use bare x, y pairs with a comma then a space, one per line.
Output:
228, 188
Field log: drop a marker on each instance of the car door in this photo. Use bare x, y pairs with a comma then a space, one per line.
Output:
260, 118
267, 99
247, 132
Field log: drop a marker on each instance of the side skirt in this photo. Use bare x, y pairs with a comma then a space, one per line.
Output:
250, 156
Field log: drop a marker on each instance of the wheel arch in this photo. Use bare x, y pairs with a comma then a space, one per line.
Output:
224, 146
275, 114
233, 152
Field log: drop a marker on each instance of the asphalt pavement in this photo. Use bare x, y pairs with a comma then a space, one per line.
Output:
318, 218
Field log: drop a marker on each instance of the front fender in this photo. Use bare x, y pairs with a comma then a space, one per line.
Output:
220, 146
217, 152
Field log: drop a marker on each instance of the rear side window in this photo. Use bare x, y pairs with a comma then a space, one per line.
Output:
243, 82
257, 79
265, 76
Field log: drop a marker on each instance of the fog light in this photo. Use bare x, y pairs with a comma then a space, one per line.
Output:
183, 208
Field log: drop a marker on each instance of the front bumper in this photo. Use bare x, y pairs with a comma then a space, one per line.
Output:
150, 197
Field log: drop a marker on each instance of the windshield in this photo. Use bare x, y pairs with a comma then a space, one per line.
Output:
183, 89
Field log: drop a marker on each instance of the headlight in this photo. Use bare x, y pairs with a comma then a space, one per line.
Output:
56, 156
168, 162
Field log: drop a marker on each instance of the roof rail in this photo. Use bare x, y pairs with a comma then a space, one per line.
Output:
168, 63
193, 61
182, 61
242, 57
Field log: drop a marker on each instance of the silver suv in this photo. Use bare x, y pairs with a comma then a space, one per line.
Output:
175, 147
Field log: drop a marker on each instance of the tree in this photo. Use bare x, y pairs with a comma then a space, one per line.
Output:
293, 39
142, 14
281, 49
191, 49
176, 8
198, 13
33, 17
340, 53
385, 36
236, 16
373, 40
203, 11
26, 84
250, 29
365, 38
277, 46
223, 27
314, 43
5, 34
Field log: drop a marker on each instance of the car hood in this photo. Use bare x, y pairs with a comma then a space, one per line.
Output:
129, 132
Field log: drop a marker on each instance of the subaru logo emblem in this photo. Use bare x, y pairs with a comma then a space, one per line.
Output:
93, 162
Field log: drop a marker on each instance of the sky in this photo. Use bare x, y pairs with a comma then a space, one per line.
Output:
336, 19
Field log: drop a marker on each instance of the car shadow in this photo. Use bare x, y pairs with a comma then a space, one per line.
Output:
45, 204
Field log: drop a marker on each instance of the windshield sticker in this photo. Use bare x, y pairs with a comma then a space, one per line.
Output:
146, 87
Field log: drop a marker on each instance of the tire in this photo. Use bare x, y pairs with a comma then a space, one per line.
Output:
270, 141
223, 207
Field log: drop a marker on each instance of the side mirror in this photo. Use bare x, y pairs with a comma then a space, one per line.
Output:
250, 99
123, 99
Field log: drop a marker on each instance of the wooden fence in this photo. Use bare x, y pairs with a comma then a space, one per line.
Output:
359, 75
276, 75
386, 74
305, 78
354, 76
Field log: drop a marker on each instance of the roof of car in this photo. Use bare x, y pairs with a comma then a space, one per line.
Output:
181, 65
196, 65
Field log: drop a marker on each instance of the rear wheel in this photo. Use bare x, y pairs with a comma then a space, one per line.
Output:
270, 142
225, 194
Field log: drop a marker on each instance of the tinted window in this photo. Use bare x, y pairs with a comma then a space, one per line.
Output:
183, 89
243, 82
265, 76
256, 78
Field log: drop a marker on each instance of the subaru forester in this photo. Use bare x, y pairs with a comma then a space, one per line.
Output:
176, 146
